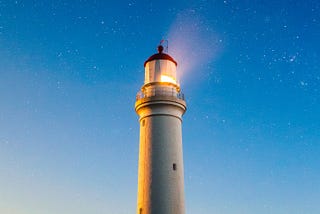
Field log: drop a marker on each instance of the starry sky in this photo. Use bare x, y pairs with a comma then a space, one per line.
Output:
69, 74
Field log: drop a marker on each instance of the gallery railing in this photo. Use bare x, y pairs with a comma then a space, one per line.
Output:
159, 92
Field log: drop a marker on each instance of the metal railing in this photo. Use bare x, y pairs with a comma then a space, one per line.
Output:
152, 92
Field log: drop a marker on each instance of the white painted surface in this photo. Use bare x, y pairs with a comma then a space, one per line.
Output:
160, 187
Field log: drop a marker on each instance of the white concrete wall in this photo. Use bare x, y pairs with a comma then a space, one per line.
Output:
160, 187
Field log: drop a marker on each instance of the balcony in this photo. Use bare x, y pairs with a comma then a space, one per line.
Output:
152, 92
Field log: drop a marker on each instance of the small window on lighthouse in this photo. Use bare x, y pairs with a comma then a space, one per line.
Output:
140, 211
174, 167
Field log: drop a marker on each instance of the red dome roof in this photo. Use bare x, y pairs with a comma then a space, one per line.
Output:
160, 55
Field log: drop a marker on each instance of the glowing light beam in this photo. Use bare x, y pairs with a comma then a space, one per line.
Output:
195, 44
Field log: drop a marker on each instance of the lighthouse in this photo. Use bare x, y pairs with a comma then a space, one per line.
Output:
160, 105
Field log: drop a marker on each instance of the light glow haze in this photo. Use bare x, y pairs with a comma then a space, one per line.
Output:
194, 43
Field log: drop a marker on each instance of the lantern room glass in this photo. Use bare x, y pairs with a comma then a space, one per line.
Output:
161, 70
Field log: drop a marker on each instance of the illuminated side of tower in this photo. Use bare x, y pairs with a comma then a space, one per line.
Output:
160, 106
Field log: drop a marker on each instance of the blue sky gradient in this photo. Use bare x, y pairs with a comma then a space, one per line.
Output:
69, 74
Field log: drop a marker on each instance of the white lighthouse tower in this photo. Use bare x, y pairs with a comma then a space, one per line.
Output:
160, 106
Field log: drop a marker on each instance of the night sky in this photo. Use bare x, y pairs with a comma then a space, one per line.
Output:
69, 74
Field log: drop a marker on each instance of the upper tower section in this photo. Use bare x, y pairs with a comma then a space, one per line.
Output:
161, 68
160, 82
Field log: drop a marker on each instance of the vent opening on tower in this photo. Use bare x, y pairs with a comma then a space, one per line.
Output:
174, 167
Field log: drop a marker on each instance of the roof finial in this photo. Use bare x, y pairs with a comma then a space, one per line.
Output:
164, 43
160, 49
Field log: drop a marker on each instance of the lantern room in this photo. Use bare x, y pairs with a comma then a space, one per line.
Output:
161, 68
